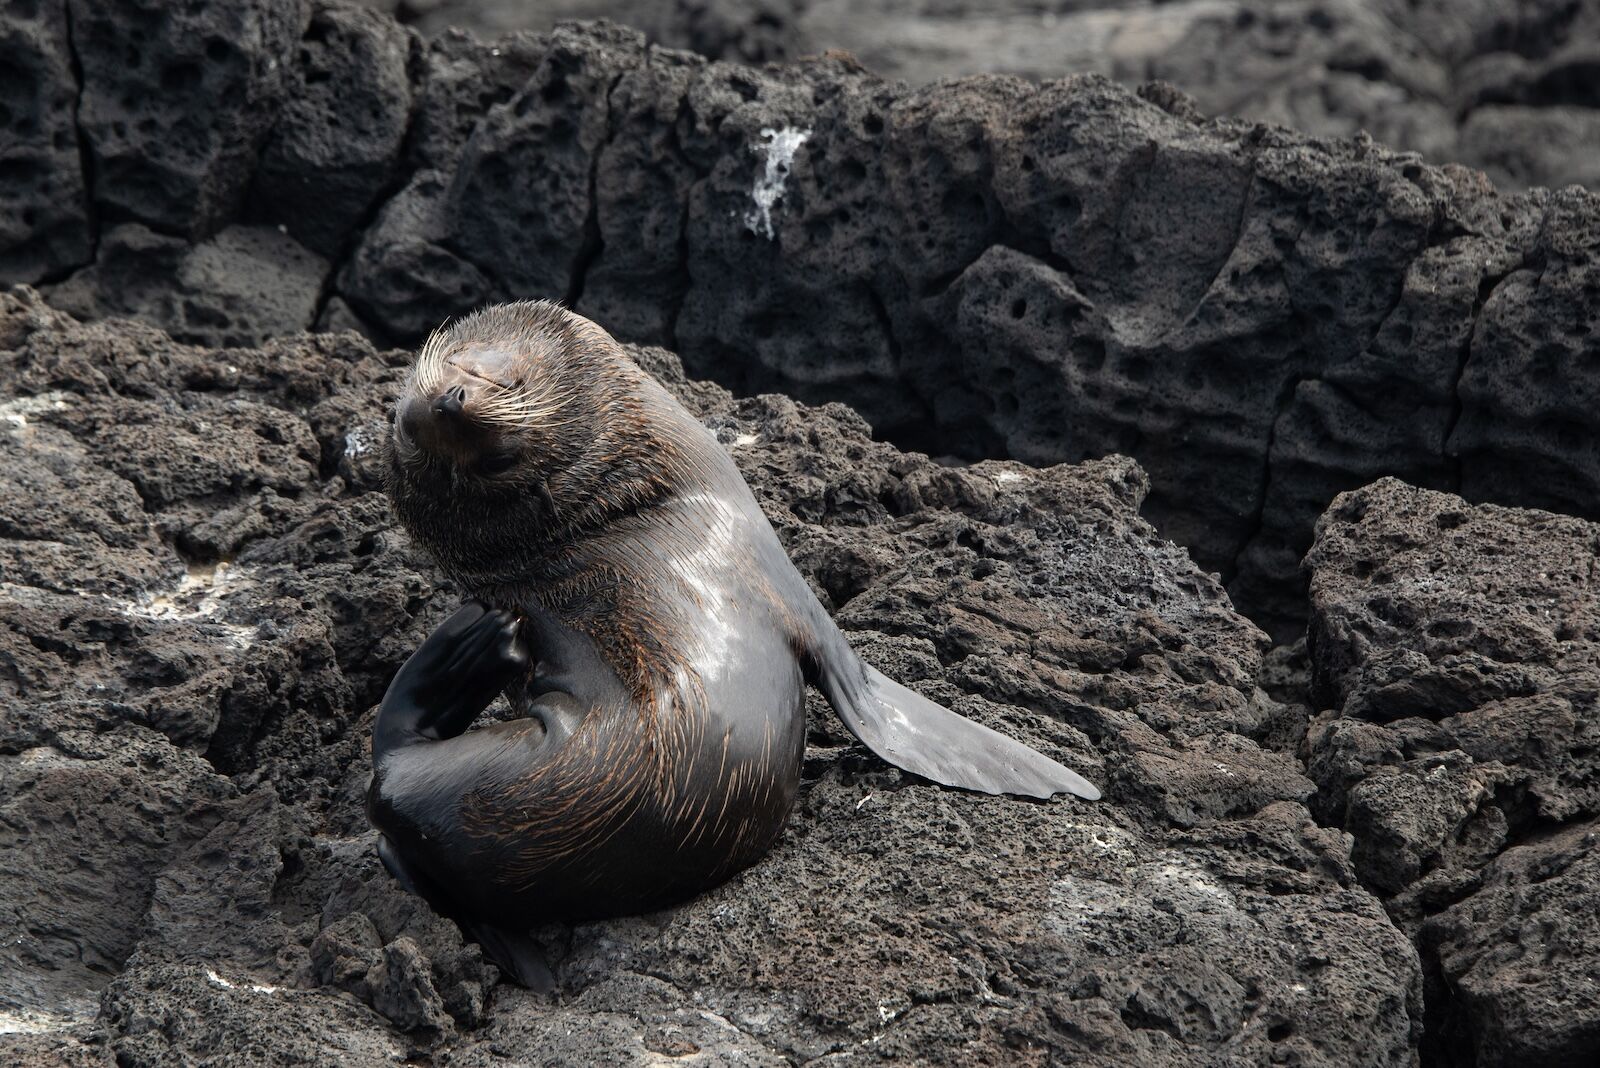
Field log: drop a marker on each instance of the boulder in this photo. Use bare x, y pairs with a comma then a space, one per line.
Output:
44, 206
176, 100
1456, 651
241, 286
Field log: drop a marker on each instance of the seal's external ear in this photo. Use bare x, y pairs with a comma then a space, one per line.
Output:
923, 737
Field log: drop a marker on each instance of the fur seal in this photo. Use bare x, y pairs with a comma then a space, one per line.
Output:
637, 608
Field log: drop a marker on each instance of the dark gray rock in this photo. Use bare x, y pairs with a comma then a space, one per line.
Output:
336, 144
87, 822
1527, 386
521, 204
1455, 648
461, 78
1199, 914
1523, 970
44, 208
635, 278
401, 277
1432, 77
176, 102
982, 268
165, 1014
400, 985
742, 31
1508, 88
241, 286
1520, 146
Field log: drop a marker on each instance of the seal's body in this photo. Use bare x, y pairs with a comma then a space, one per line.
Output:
665, 642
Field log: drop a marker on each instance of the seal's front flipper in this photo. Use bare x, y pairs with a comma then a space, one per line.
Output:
921, 736
449, 679
516, 954
413, 880
398, 869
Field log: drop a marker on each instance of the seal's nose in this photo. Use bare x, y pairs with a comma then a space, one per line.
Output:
443, 424
450, 402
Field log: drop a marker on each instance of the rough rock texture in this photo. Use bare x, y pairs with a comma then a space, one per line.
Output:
175, 101
44, 210
742, 31
1507, 87
335, 146
1458, 651
240, 286
1439, 77
204, 595
984, 268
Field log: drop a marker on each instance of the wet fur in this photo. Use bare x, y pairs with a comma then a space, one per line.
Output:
592, 527
663, 709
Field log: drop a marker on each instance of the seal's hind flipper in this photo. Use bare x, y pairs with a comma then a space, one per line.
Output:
513, 952
516, 954
921, 736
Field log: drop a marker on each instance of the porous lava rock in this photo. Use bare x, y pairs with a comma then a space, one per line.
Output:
44, 206
1456, 650
985, 267
1506, 87
336, 144
205, 594
740, 31
241, 286
175, 101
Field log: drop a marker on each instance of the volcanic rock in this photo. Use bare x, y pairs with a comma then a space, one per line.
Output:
189, 662
1457, 651
242, 286
336, 145
44, 206
1508, 88
176, 101
981, 268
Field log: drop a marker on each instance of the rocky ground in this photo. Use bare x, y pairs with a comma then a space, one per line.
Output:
1369, 846
1457, 651
205, 594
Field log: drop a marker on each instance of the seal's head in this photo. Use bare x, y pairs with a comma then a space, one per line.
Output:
519, 424
489, 395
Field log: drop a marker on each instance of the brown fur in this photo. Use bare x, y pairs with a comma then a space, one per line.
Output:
591, 444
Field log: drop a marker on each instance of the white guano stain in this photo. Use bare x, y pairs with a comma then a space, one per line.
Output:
14, 413
198, 598
359, 441
778, 148
255, 988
